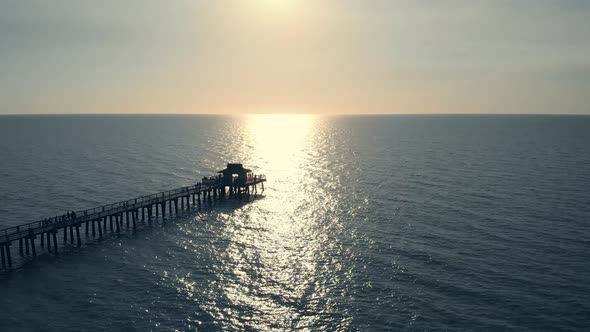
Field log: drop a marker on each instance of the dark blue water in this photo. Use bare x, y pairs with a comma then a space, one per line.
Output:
367, 223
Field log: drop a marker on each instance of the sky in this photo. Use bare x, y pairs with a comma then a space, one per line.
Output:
295, 56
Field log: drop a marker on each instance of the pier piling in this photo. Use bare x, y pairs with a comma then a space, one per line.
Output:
8, 256
134, 214
48, 241
54, 241
78, 236
34, 250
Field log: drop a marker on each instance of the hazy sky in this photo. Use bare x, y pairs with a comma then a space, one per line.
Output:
339, 56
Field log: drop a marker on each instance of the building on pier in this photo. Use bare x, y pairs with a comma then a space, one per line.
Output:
235, 175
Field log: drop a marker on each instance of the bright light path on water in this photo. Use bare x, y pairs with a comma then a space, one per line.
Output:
279, 249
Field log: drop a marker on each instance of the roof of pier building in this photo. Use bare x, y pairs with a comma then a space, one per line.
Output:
233, 168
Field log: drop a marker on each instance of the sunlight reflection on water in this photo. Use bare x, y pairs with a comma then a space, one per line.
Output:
279, 268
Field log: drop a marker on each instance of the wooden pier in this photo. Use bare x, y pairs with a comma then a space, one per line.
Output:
126, 214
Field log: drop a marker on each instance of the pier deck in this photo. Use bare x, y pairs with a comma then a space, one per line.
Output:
114, 214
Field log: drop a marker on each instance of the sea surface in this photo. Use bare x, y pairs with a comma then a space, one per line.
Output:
367, 223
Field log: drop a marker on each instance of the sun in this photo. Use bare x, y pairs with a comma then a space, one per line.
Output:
277, 5
264, 10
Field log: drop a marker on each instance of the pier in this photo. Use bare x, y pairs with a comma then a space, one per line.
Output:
234, 182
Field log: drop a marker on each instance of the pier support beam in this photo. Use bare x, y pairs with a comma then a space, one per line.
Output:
134, 216
8, 256
78, 235
32, 239
54, 241
3, 255
48, 241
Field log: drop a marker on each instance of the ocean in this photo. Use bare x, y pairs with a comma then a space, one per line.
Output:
367, 223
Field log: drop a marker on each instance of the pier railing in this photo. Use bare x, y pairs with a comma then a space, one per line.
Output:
20, 231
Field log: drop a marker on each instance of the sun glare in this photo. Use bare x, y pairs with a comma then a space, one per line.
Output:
276, 6
280, 136
277, 3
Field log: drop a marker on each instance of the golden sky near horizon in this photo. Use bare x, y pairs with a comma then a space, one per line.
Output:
301, 56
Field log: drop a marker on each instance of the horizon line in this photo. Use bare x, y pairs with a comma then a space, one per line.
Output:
291, 114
